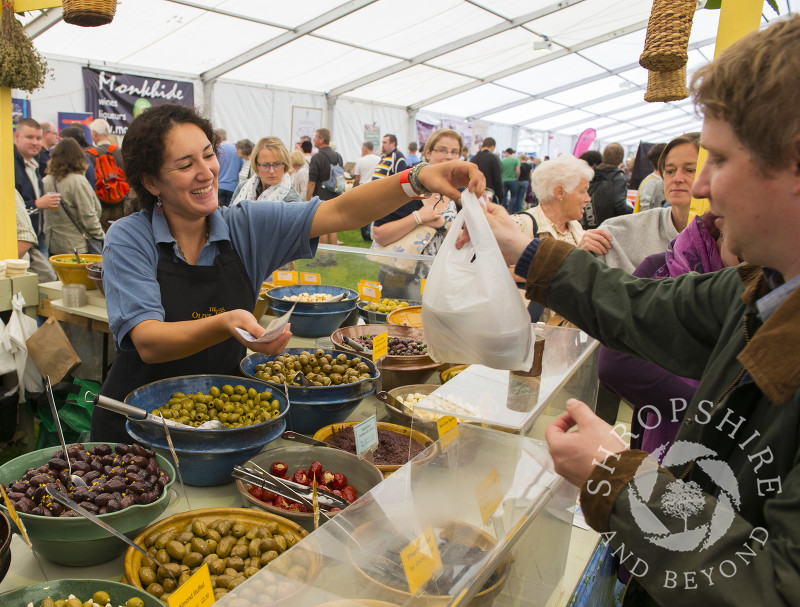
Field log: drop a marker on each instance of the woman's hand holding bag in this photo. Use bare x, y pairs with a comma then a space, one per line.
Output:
471, 308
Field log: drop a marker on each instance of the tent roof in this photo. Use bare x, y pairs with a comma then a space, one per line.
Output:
465, 58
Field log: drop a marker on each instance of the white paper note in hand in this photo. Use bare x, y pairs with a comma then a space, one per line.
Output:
273, 331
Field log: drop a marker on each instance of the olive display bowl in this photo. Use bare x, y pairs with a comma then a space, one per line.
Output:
206, 457
372, 318
247, 516
395, 370
309, 319
315, 406
371, 538
81, 588
95, 273
5, 546
76, 541
427, 427
360, 473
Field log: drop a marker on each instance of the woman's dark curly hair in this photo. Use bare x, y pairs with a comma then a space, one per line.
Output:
143, 146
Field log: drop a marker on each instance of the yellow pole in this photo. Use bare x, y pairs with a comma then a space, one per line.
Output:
737, 18
8, 211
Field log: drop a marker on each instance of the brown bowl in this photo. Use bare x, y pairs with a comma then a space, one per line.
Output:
395, 370
371, 538
95, 273
401, 418
248, 516
386, 469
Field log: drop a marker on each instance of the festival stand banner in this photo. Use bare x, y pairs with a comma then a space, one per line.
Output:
119, 98
585, 140
83, 119
20, 108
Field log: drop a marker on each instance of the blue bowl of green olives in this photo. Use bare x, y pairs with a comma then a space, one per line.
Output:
116, 593
207, 457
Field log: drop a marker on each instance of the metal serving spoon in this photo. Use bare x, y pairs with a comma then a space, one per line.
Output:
76, 480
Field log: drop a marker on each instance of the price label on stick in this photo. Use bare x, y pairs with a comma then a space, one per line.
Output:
380, 346
422, 287
197, 591
368, 293
12, 513
309, 278
448, 430
490, 495
366, 435
284, 278
421, 560
371, 283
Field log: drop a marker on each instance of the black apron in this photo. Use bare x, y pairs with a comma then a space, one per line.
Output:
187, 293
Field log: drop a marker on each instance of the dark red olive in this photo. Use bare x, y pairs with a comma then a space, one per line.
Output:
103, 499
122, 448
128, 500
113, 506
56, 463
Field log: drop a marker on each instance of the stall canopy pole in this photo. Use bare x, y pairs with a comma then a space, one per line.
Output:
8, 209
737, 18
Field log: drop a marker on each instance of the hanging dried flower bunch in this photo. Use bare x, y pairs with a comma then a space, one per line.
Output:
21, 65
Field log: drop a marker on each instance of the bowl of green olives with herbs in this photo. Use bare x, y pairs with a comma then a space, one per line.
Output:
252, 413
79, 593
336, 383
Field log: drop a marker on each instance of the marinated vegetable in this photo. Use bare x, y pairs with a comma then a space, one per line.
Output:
320, 369
309, 297
234, 406
98, 599
386, 306
397, 346
334, 482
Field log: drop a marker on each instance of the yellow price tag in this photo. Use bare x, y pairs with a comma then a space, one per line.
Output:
284, 278
422, 286
309, 278
194, 592
421, 560
448, 430
489, 495
315, 501
12, 512
371, 283
368, 293
380, 346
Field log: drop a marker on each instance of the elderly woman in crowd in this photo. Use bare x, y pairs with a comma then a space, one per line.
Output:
271, 181
562, 185
67, 226
299, 173
641, 234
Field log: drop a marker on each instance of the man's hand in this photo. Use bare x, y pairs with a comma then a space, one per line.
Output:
445, 178
48, 201
511, 240
595, 241
576, 453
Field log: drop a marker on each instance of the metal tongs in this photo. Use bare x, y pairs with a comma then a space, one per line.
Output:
288, 489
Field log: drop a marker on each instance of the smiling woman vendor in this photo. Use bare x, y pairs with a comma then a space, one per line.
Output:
183, 273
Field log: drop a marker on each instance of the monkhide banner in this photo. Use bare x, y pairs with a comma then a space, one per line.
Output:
119, 98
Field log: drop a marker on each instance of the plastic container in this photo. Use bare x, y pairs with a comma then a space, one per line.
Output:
74, 296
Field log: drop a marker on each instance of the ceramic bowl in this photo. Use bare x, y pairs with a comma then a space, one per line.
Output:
73, 273
313, 319
427, 427
315, 406
386, 469
206, 457
371, 317
247, 516
76, 541
81, 588
5, 545
361, 474
406, 317
95, 273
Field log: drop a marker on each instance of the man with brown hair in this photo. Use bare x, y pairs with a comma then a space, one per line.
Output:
319, 170
715, 520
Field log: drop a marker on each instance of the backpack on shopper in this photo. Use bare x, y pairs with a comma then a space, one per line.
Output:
111, 184
335, 182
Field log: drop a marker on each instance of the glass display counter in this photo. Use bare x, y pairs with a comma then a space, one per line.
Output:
490, 503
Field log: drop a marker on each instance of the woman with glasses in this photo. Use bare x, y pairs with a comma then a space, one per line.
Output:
419, 226
271, 179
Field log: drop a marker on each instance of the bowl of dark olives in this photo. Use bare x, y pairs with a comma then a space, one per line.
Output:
330, 386
128, 488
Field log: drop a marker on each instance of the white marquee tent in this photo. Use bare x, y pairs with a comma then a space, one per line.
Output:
532, 74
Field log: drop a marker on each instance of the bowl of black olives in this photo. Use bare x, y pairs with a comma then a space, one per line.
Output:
127, 487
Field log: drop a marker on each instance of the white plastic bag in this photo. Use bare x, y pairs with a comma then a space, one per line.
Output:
471, 308
20, 328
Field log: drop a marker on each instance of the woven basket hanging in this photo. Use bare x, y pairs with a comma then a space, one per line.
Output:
665, 47
666, 86
89, 13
